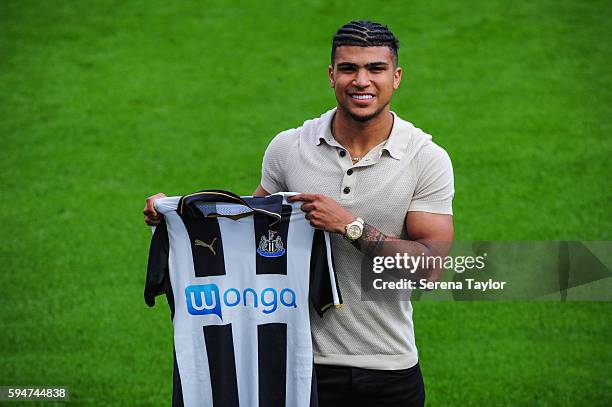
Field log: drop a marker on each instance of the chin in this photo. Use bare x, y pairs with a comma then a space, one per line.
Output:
362, 117
365, 117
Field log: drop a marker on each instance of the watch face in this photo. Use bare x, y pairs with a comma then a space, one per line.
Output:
354, 231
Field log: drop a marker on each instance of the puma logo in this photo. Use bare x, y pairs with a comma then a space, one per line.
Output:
209, 245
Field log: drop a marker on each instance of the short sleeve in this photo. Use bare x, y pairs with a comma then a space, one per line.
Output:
324, 291
273, 177
158, 278
435, 184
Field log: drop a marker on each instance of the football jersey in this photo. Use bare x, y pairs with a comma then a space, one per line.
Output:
239, 274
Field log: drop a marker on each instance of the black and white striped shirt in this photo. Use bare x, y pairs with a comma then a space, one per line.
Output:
238, 273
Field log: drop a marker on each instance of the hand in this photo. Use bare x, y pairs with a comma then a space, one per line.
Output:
324, 213
151, 217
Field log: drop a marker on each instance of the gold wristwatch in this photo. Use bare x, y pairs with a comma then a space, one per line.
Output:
354, 230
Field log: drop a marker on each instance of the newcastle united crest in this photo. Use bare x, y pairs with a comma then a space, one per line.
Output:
271, 246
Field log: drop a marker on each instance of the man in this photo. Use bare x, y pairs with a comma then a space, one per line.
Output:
381, 186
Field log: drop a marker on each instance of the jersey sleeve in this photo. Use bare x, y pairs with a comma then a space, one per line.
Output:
324, 291
435, 186
158, 277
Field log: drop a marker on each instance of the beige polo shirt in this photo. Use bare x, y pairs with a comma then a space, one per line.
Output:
407, 172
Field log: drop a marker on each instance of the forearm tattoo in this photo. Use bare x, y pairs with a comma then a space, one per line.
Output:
371, 241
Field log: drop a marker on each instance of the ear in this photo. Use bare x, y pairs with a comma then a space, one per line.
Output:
397, 77
330, 75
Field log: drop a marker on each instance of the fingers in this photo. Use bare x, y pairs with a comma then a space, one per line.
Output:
313, 220
303, 198
152, 221
308, 207
151, 217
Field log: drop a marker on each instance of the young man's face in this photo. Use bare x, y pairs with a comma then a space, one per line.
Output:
364, 79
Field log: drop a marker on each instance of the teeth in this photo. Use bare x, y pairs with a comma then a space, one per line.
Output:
362, 97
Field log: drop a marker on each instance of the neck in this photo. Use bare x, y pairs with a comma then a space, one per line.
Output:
360, 137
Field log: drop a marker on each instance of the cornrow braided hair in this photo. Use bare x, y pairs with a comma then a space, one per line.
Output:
365, 34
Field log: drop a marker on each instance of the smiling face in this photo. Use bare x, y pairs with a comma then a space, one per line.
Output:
364, 79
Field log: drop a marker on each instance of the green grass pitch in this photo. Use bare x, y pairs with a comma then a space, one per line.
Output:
103, 103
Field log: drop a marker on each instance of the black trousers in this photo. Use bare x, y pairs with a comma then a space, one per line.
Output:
341, 386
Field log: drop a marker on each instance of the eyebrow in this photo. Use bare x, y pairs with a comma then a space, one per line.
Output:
369, 65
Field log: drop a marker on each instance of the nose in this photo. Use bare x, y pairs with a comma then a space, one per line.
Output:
362, 78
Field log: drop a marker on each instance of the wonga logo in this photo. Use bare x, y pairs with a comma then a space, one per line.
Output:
206, 299
203, 299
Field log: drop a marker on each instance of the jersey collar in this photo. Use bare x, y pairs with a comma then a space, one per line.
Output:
270, 205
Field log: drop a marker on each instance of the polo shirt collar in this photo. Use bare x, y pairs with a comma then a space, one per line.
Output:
396, 144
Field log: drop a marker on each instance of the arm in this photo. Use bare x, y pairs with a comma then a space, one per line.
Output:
429, 234
260, 191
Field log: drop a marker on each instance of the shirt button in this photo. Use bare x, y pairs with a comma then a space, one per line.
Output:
346, 190
342, 153
349, 172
